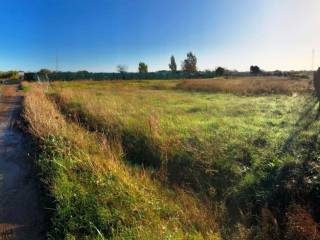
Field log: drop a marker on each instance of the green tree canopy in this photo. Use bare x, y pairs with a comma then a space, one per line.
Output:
190, 63
220, 71
44, 71
255, 70
143, 68
173, 64
9, 74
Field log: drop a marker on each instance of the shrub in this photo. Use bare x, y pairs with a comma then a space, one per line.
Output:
301, 225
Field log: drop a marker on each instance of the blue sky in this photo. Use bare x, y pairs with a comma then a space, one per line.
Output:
97, 35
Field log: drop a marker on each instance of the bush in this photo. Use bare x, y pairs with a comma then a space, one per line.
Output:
301, 225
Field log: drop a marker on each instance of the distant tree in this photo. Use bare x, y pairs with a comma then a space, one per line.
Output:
29, 76
143, 68
9, 75
44, 71
173, 64
255, 70
82, 74
122, 68
190, 64
277, 73
220, 71
14, 74
43, 74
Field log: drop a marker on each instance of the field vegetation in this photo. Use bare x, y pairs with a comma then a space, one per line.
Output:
96, 195
229, 158
248, 86
9, 75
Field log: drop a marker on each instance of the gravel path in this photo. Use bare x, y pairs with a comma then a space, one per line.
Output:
20, 214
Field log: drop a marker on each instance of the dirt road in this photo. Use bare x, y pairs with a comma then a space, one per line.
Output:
20, 214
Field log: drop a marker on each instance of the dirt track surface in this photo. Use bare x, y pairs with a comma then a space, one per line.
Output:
20, 214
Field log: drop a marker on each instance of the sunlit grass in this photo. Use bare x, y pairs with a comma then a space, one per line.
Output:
202, 162
248, 85
96, 195
237, 133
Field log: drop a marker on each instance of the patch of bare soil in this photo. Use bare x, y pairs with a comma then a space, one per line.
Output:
20, 213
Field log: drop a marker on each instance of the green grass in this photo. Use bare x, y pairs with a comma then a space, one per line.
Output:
240, 133
225, 147
24, 88
93, 194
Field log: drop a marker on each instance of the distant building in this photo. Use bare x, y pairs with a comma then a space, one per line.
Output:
21, 75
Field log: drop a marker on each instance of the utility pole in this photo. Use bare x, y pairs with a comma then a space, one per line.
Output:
312, 59
57, 63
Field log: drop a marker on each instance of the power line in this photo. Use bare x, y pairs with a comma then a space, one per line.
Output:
57, 63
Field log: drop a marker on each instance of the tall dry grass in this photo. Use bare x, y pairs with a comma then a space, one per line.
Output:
247, 86
49, 122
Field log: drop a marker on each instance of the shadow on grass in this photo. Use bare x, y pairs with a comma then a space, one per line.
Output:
176, 165
306, 119
276, 189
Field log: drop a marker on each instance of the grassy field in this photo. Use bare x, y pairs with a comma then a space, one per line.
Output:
160, 128
215, 154
92, 194
248, 86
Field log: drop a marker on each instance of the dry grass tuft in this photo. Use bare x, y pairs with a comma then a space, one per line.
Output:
301, 225
49, 122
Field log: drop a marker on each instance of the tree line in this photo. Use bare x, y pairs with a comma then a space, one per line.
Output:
188, 65
9, 75
189, 69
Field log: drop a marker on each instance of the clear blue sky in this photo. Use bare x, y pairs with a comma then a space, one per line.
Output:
97, 35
